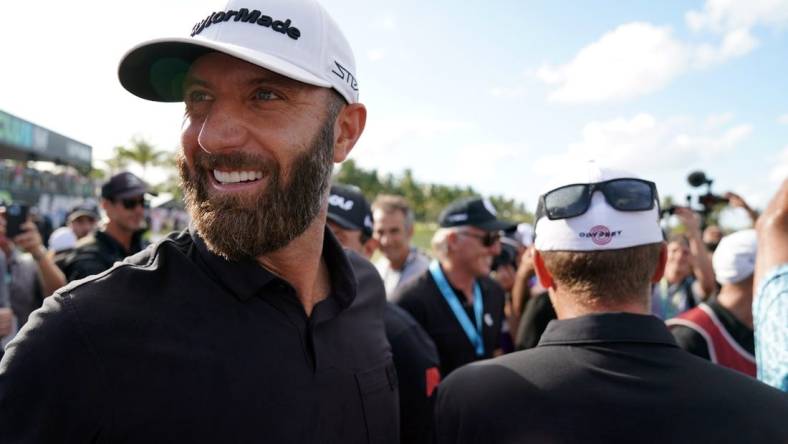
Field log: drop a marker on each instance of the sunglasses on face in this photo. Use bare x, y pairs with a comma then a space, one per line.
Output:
574, 200
488, 239
131, 204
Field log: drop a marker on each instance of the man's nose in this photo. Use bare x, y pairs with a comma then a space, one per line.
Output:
222, 128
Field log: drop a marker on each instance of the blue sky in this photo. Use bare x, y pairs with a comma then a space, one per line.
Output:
495, 94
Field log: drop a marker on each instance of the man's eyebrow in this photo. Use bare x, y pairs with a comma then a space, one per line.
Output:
191, 81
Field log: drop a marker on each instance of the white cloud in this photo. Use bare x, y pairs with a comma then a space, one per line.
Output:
639, 58
783, 119
780, 170
723, 16
646, 144
632, 60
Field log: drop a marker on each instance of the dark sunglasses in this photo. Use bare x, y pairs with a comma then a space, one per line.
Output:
488, 239
574, 200
130, 204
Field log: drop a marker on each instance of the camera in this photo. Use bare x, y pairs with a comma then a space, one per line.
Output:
708, 200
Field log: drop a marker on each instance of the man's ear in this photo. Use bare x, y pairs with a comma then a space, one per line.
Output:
663, 259
347, 129
545, 278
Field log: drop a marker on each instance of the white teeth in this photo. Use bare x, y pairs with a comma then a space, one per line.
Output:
236, 176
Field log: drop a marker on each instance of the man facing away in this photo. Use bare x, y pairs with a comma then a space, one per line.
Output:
414, 353
605, 371
393, 230
244, 328
123, 201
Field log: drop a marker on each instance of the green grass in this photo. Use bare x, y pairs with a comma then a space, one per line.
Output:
422, 235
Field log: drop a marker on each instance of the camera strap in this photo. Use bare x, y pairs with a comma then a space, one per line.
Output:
474, 333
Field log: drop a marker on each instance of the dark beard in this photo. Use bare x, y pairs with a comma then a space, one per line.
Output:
248, 226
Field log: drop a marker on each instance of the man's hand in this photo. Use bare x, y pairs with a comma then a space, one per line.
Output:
690, 220
736, 201
30, 240
6, 318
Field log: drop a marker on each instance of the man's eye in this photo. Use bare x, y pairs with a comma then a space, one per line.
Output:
197, 96
265, 95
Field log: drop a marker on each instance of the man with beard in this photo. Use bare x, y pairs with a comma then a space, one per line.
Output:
455, 301
248, 326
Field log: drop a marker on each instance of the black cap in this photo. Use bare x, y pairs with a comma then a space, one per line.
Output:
474, 211
122, 186
348, 208
84, 209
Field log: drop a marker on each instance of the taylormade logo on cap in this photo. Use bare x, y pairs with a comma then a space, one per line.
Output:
293, 38
244, 16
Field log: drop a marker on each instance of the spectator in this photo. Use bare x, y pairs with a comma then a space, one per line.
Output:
414, 353
393, 230
770, 308
350, 219
31, 271
455, 301
606, 371
80, 222
123, 201
721, 330
689, 276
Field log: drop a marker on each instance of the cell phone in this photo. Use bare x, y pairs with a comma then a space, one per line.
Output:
15, 216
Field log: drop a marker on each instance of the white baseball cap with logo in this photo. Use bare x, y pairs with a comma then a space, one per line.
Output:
602, 227
734, 258
294, 38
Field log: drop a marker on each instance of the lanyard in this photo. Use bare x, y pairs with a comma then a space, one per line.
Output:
473, 333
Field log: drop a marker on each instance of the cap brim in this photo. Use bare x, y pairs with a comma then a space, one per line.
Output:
344, 223
155, 70
77, 214
494, 225
130, 193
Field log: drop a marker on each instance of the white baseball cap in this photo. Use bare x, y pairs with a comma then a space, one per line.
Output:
734, 258
294, 38
602, 227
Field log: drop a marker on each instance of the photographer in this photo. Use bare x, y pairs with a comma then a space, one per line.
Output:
31, 269
689, 276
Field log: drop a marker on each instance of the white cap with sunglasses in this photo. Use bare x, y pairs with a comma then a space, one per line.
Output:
591, 207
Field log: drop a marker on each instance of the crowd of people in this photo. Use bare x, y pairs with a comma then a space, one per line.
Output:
265, 320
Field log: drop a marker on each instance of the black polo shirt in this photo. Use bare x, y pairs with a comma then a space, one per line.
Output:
607, 378
179, 345
416, 360
423, 300
97, 253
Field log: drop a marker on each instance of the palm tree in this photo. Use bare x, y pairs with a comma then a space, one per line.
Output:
119, 160
143, 153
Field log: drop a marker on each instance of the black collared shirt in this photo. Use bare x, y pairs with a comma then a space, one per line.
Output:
97, 253
607, 378
423, 300
177, 344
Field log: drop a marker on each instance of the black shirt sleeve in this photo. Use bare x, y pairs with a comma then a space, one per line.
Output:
691, 341
51, 385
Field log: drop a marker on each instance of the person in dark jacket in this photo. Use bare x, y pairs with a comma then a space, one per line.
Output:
123, 201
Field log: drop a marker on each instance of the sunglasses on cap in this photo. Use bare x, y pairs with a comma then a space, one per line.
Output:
132, 203
574, 200
488, 239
